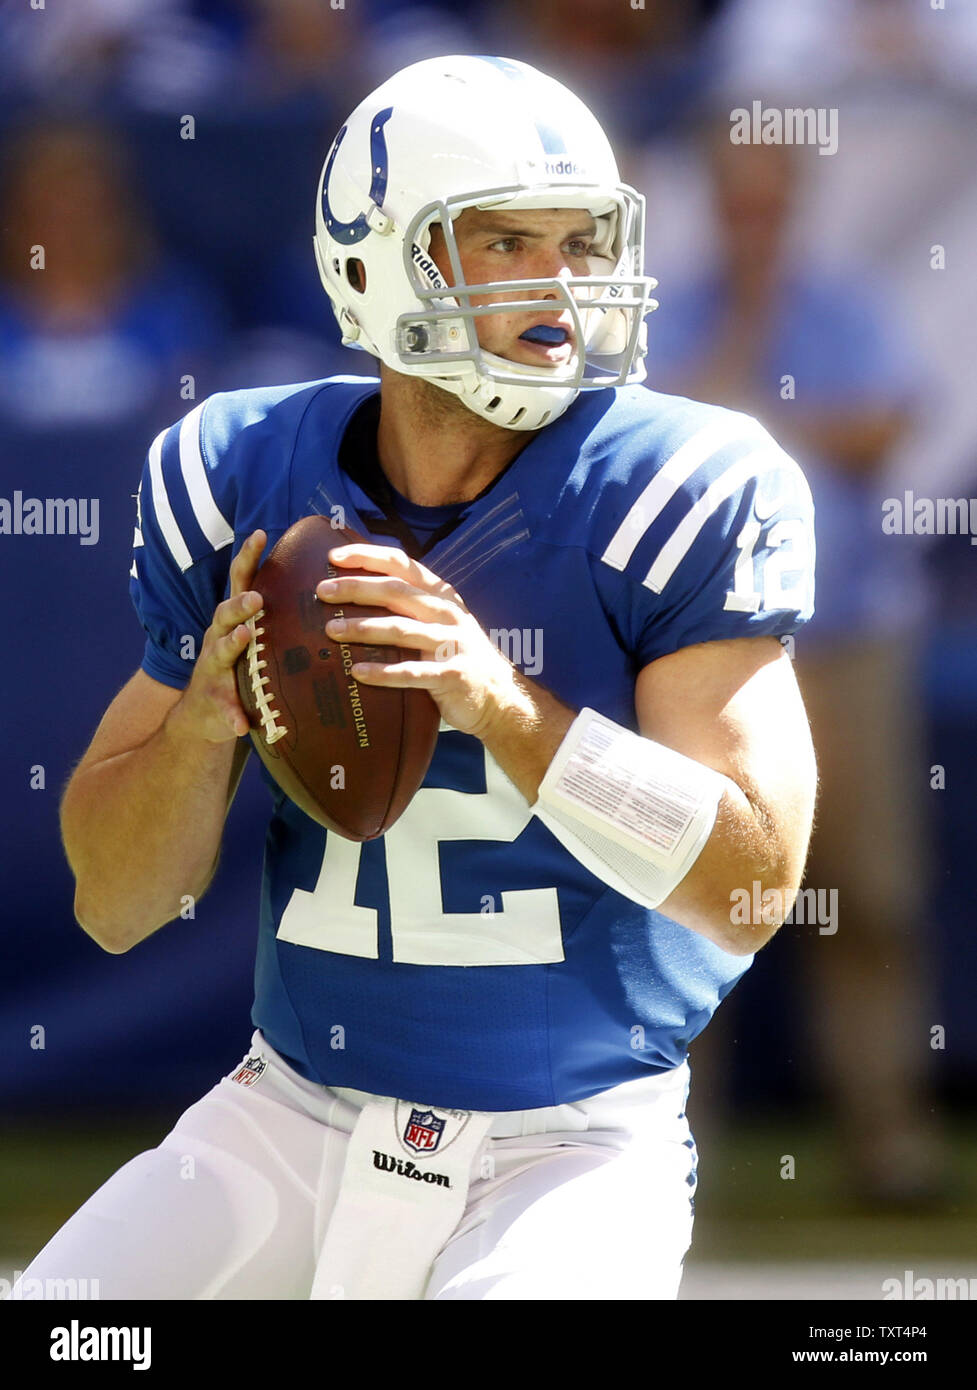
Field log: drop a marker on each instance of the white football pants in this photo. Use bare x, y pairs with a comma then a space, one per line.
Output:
584, 1201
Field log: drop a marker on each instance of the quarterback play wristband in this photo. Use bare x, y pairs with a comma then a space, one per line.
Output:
635, 813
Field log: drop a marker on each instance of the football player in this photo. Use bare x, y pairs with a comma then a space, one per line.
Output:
469, 1069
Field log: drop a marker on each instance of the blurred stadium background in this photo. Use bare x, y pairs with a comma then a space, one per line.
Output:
834, 1094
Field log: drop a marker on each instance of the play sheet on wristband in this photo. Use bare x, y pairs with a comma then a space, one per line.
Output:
600, 778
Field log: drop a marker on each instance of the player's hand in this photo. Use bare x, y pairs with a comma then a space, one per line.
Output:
210, 707
469, 680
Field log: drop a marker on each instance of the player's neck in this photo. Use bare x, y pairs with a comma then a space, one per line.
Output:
433, 449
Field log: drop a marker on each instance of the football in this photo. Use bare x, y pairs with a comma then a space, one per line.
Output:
351, 756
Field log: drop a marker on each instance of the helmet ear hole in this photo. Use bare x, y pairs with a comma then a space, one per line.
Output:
356, 274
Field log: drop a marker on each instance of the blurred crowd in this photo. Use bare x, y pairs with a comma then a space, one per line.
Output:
161, 156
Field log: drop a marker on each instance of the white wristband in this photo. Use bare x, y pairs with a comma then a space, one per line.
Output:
633, 812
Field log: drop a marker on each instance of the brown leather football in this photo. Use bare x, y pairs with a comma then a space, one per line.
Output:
351, 756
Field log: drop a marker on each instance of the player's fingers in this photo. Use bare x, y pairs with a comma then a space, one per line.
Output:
419, 675
383, 559
394, 594
229, 718
237, 719
226, 712
228, 648
390, 631
388, 560
245, 563
233, 611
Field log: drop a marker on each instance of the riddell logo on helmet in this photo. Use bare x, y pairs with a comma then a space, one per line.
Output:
563, 166
427, 267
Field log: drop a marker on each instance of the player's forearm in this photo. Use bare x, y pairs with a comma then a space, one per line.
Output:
142, 832
744, 882
755, 852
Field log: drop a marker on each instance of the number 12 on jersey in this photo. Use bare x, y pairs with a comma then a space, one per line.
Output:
523, 930
783, 568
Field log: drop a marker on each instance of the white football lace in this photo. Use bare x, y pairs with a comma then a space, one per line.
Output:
269, 717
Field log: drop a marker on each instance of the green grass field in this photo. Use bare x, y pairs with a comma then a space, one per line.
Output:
747, 1211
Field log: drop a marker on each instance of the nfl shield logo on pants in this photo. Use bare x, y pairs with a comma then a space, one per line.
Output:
423, 1131
250, 1069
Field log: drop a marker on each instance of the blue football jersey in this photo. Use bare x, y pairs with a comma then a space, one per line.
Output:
465, 958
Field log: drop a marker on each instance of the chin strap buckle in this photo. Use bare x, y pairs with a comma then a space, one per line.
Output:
349, 327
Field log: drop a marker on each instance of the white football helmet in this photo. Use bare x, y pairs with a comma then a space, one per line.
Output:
452, 133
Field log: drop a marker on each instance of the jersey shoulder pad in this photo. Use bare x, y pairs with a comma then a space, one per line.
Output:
708, 522
209, 480
225, 467
685, 471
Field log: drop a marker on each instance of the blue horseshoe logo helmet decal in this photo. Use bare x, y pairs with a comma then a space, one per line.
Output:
349, 233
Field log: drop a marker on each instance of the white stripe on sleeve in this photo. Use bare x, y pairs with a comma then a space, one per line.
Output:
209, 517
161, 504
663, 487
675, 549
